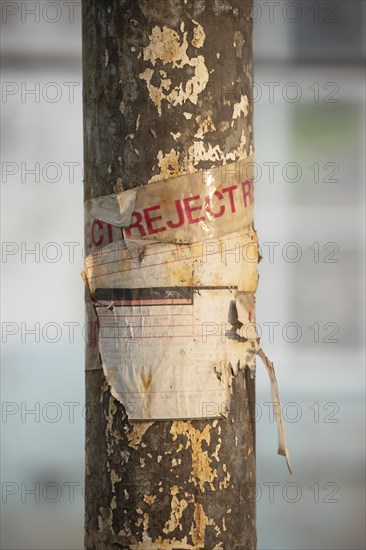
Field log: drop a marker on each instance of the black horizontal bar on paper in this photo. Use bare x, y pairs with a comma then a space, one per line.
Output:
145, 296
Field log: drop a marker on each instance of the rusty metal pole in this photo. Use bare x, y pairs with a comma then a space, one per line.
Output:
142, 119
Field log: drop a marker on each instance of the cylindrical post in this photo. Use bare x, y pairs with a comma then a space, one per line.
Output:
166, 88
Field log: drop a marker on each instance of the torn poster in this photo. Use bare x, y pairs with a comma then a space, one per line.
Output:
172, 275
170, 352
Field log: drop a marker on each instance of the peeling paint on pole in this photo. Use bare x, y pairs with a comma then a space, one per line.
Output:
166, 87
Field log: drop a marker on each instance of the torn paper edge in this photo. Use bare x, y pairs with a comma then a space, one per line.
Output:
282, 445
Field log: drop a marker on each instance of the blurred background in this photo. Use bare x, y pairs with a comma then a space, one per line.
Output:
309, 99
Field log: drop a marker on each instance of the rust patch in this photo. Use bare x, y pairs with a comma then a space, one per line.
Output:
198, 528
202, 472
138, 430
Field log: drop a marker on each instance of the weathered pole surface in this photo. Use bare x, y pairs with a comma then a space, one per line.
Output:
176, 483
